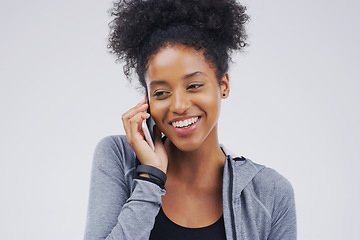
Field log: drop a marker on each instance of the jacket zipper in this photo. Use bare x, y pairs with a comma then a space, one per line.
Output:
231, 198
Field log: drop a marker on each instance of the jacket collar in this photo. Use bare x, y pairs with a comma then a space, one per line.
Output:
231, 154
238, 173
241, 170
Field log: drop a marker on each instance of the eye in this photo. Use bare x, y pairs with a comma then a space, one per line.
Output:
160, 94
194, 86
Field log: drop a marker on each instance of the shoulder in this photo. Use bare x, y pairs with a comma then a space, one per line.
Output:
275, 196
114, 152
112, 141
272, 190
269, 180
263, 182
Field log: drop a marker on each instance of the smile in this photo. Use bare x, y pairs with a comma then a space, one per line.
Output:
185, 123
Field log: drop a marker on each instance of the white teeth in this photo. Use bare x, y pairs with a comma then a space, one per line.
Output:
185, 123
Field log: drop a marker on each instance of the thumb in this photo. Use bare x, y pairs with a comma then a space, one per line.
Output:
157, 136
159, 145
160, 149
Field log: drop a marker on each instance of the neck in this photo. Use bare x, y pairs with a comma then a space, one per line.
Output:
199, 166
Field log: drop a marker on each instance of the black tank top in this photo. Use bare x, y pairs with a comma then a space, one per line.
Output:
165, 229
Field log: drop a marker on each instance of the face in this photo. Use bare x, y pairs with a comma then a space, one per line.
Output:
185, 96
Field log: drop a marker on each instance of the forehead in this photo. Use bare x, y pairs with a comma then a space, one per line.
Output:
175, 62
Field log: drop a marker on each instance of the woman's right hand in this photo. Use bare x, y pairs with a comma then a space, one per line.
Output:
132, 121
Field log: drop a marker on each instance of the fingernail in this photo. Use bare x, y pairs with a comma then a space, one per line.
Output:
141, 102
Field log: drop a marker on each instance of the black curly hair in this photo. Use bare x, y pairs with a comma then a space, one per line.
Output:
142, 27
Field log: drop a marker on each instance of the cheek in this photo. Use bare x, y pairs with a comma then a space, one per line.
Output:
210, 100
158, 111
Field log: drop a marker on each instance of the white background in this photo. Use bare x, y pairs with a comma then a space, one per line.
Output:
294, 106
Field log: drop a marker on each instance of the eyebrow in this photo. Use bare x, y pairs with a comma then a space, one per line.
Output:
187, 76
190, 75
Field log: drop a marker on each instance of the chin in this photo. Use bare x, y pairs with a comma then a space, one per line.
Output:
186, 145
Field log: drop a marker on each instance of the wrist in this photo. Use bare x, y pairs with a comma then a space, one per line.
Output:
151, 180
162, 168
153, 173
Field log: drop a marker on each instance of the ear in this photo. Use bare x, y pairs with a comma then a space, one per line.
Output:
224, 86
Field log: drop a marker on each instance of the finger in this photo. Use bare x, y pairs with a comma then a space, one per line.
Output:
160, 150
141, 102
135, 125
159, 146
131, 113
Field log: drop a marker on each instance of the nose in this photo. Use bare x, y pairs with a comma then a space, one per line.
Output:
180, 102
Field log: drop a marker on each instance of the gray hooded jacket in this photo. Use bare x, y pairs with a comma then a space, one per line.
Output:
258, 203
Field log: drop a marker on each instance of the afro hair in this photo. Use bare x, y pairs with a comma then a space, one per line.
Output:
142, 27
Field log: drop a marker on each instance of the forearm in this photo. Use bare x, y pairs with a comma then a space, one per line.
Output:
120, 207
137, 216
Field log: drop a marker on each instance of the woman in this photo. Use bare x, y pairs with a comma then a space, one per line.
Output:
180, 51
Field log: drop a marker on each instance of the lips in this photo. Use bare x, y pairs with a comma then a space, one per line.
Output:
185, 123
185, 126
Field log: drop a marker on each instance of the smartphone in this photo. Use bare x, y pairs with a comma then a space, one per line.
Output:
148, 129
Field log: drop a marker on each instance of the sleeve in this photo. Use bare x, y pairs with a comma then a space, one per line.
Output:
114, 212
283, 224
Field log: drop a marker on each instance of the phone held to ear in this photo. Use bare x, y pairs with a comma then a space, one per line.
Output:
148, 129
